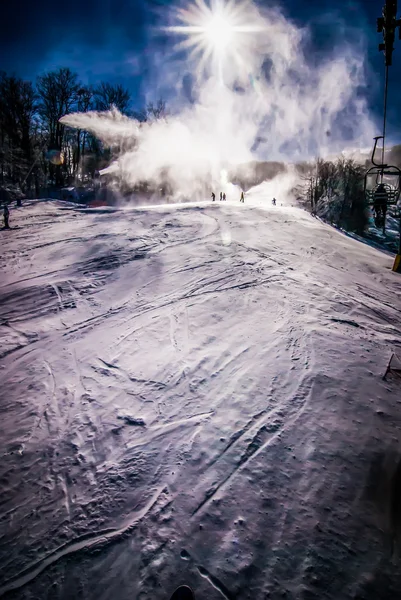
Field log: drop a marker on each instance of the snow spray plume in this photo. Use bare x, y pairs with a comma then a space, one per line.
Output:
253, 96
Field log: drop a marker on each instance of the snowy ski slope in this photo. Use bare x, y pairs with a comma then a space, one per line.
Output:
194, 394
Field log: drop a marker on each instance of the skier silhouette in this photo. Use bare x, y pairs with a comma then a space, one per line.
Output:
274, 202
213, 196
242, 199
6, 215
224, 196
221, 196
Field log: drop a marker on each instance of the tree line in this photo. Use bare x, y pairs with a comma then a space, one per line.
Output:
334, 191
30, 129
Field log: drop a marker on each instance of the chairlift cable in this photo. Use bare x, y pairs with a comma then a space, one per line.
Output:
385, 110
384, 115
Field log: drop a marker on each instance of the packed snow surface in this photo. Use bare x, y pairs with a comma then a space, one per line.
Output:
194, 394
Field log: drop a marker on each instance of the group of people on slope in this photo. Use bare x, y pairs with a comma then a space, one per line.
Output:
223, 197
242, 198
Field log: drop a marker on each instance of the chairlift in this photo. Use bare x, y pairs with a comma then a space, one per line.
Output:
382, 187
382, 184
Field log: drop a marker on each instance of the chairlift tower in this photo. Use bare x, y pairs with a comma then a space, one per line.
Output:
383, 182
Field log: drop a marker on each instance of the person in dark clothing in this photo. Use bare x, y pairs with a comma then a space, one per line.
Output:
242, 199
380, 200
5, 197
221, 196
6, 217
213, 196
274, 202
224, 197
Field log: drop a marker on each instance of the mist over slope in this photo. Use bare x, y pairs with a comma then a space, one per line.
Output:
258, 97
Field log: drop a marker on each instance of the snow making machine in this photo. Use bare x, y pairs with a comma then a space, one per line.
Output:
383, 182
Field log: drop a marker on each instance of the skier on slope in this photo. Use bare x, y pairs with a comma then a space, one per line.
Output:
213, 196
274, 202
224, 196
6, 215
221, 196
242, 199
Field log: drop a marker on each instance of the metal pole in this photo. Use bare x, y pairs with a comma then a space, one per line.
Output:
399, 238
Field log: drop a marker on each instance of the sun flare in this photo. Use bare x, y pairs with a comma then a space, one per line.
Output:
218, 35
219, 32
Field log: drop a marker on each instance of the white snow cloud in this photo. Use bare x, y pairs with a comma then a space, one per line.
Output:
261, 100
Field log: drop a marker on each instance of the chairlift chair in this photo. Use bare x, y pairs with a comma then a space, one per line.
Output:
390, 178
378, 177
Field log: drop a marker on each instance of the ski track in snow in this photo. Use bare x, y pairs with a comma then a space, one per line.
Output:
194, 394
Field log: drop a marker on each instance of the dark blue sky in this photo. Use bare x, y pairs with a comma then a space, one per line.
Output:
113, 40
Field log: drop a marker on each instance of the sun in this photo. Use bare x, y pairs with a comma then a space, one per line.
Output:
219, 32
218, 35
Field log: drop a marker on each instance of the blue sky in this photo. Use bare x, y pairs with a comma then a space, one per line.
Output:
114, 40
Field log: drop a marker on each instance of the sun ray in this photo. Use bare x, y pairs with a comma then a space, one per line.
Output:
217, 34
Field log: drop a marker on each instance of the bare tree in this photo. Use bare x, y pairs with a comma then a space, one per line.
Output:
58, 95
334, 191
352, 213
17, 109
156, 111
85, 102
57, 92
108, 95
